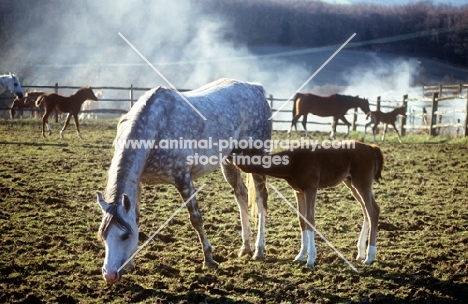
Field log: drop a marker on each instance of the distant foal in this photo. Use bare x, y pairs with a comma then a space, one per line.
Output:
386, 118
64, 104
307, 171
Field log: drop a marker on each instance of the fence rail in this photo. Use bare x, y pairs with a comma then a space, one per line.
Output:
433, 117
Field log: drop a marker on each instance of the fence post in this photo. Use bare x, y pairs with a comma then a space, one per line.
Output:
403, 119
131, 95
378, 103
270, 100
433, 117
440, 90
56, 112
466, 116
353, 124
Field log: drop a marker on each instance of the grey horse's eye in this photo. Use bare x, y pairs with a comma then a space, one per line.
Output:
15, 84
125, 236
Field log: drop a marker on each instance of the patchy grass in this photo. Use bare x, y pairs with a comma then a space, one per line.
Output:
49, 219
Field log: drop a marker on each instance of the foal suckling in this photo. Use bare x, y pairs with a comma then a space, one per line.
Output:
355, 164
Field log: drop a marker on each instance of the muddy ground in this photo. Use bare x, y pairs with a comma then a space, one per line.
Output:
50, 252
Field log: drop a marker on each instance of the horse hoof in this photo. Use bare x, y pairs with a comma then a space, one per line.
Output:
210, 265
299, 262
61, 134
259, 254
245, 251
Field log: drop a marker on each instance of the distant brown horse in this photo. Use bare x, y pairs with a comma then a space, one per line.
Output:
355, 163
64, 104
334, 105
27, 102
386, 118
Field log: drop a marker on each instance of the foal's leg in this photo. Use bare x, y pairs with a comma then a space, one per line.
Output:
186, 189
233, 177
384, 132
304, 124
262, 200
365, 129
45, 120
397, 133
65, 125
374, 131
370, 210
294, 123
306, 207
77, 126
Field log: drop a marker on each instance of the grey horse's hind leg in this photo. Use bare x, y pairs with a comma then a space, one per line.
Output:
186, 189
234, 178
262, 198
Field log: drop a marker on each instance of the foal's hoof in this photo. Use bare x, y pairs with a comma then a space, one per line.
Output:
210, 265
259, 254
245, 251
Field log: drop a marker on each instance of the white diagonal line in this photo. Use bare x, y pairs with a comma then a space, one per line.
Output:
161, 75
315, 229
159, 229
313, 75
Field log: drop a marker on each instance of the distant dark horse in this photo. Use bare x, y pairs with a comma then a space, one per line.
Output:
334, 105
386, 118
65, 104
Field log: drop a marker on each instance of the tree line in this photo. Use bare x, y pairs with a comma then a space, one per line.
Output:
419, 29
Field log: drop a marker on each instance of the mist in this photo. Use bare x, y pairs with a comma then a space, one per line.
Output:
83, 45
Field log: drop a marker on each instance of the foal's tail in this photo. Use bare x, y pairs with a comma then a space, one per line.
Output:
379, 163
252, 194
39, 101
296, 97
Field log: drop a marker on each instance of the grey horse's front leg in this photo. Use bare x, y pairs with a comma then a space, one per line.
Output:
186, 189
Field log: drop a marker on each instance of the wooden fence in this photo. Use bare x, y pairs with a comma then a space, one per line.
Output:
433, 117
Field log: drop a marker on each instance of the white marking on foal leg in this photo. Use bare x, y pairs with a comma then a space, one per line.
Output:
49, 129
304, 244
312, 252
361, 245
371, 251
79, 135
61, 133
315, 230
259, 253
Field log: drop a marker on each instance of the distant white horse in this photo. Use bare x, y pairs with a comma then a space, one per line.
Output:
90, 105
11, 83
235, 111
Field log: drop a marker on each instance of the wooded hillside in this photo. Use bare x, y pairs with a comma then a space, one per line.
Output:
421, 28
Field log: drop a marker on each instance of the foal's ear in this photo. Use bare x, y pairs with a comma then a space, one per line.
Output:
101, 202
126, 202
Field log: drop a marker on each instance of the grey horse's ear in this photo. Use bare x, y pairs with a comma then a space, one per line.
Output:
126, 202
101, 202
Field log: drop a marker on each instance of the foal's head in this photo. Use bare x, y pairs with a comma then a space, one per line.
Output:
400, 110
86, 93
119, 232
